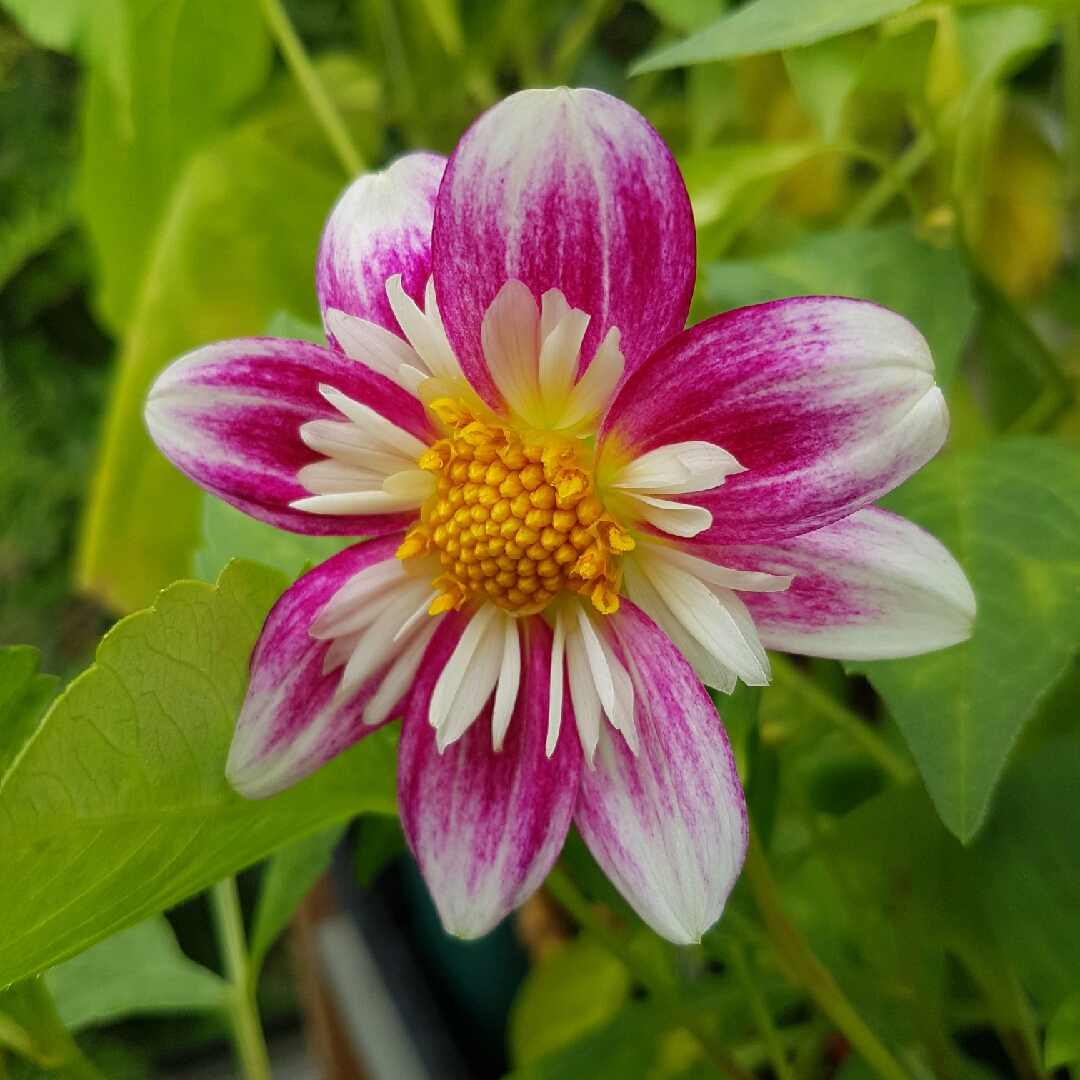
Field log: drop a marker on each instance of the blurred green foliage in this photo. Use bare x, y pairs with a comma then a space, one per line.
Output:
163, 183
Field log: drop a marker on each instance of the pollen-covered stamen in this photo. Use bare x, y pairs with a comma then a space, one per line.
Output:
513, 520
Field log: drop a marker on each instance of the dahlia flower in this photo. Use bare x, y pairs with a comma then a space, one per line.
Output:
578, 512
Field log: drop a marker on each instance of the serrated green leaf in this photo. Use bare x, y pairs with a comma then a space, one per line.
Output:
287, 879
580, 987
1010, 512
887, 266
138, 971
1063, 1034
1028, 861
771, 25
23, 697
119, 807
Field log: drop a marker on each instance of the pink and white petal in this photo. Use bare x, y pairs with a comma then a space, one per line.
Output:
486, 826
293, 720
827, 403
229, 415
668, 825
570, 190
873, 586
381, 226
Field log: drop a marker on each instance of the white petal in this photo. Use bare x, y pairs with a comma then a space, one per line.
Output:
559, 360
509, 680
678, 469
714, 573
425, 334
410, 483
676, 519
595, 388
642, 593
583, 694
509, 337
378, 642
401, 676
349, 442
332, 477
553, 307
376, 431
597, 680
358, 502
469, 676
715, 617
373, 346
379, 579
555, 688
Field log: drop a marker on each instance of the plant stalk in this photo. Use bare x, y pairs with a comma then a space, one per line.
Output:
786, 674
299, 63
247, 1030
560, 885
805, 968
766, 1027
892, 182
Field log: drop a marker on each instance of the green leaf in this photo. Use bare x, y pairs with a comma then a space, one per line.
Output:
377, 839
30, 1026
636, 1045
237, 245
578, 988
53, 24
1010, 512
189, 65
284, 324
687, 15
824, 76
770, 25
119, 807
915, 897
287, 879
729, 184
23, 697
888, 266
1063, 1034
1028, 859
139, 971
229, 533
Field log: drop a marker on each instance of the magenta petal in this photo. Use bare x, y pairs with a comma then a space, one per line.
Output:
668, 826
228, 416
289, 724
486, 827
873, 586
827, 403
571, 190
381, 226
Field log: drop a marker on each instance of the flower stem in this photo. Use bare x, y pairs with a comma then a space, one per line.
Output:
560, 885
247, 1031
299, 63
766, 1028
786, 674
805, 968
893, 181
